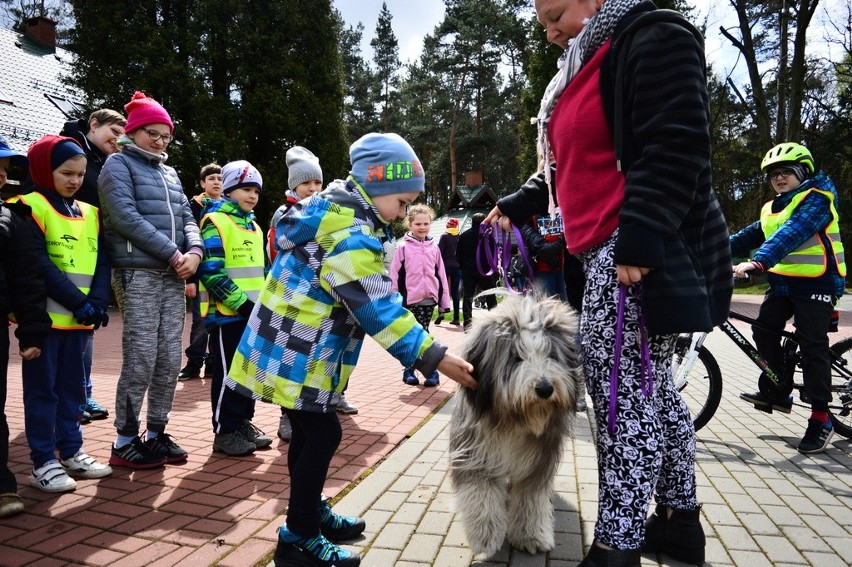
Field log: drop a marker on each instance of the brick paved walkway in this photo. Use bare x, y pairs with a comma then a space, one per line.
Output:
213, 509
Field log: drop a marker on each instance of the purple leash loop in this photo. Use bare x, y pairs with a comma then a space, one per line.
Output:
495, 245
646, 376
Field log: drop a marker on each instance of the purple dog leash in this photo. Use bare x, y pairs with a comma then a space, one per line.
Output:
646, 376
495, 245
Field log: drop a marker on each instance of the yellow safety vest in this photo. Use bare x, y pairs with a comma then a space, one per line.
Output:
810, 260
72, 246
244, 260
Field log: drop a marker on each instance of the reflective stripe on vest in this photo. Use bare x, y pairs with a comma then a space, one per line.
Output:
72, 246
809, 260
244, 260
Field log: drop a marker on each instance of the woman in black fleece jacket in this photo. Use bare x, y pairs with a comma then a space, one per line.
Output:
627, 120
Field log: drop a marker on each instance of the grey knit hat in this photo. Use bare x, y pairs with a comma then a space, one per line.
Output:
303, 166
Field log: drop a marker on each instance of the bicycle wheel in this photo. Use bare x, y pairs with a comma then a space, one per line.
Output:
702, 388
841, 388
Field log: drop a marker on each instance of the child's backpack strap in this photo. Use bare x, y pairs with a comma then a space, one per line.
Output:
618, 61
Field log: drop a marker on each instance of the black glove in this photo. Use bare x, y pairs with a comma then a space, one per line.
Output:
245, 308
90, 314
86, 313
103, 318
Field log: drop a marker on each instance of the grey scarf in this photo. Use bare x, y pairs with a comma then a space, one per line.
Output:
597, 30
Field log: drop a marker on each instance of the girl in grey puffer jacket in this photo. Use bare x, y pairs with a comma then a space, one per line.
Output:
155, 246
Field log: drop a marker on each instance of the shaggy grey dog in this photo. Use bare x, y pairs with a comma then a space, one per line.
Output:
506, 437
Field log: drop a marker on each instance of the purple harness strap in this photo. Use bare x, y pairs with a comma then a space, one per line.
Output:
495, 245
646, 375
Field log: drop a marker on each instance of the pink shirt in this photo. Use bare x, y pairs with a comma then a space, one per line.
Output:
589, 188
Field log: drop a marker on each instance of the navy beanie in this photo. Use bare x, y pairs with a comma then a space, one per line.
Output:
63, 151
384, 164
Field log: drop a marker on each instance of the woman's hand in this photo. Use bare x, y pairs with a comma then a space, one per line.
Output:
629, 275
497, 215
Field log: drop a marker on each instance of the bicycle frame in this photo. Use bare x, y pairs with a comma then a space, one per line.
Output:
749, 349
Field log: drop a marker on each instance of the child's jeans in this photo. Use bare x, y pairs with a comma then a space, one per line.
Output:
55, 396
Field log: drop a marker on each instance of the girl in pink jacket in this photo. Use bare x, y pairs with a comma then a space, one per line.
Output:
417, 273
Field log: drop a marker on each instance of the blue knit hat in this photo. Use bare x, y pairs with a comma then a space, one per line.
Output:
384, 164
63, 151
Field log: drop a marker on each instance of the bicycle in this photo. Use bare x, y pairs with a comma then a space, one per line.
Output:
698, 377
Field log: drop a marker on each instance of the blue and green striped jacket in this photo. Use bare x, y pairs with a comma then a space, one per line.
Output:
326, 289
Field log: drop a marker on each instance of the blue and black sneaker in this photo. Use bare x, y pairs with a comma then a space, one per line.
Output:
316, 551
432, 380
339, 528
409, 377
817, 436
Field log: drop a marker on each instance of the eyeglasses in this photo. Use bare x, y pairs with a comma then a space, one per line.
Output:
785, 173
154, 135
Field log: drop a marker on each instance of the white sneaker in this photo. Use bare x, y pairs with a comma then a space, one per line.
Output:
345, 407
82, 465
52, 478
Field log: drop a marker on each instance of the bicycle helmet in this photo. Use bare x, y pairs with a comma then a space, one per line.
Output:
788, 152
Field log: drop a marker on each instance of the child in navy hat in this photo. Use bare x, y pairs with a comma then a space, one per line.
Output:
77, 273
24, 294
327, 288
9, 157
231, 277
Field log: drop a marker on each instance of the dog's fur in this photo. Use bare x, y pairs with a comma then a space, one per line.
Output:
506, 437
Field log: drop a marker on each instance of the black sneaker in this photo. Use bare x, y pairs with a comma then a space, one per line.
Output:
254, 435
190, 371
817, 436
163, 446
765, 403
96, 410
135, 455
339, 528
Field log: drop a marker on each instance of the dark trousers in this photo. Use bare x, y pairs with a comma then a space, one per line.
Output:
811, 318
197, 350
316, 437
55, 396
454, 278
7, 478
471, 279
230, 409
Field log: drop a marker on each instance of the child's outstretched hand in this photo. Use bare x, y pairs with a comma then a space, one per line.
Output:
458, 369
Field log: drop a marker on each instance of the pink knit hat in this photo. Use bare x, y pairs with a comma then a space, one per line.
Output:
143, 110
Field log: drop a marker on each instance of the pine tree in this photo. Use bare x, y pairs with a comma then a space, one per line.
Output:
386, 57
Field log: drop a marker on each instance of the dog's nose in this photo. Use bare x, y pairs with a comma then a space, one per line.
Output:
544, 389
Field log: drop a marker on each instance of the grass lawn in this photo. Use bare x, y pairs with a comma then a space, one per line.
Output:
756, 289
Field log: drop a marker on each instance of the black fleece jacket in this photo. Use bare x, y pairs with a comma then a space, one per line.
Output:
670, 220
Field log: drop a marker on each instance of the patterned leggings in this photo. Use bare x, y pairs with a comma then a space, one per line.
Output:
423, 314
652, 450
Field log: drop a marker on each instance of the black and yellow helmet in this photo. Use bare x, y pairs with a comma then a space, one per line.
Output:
788, 152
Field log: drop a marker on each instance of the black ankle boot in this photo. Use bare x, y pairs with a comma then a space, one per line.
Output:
600, 557
680, 536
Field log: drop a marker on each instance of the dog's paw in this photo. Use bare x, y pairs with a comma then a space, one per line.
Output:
486, 550
539, 543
